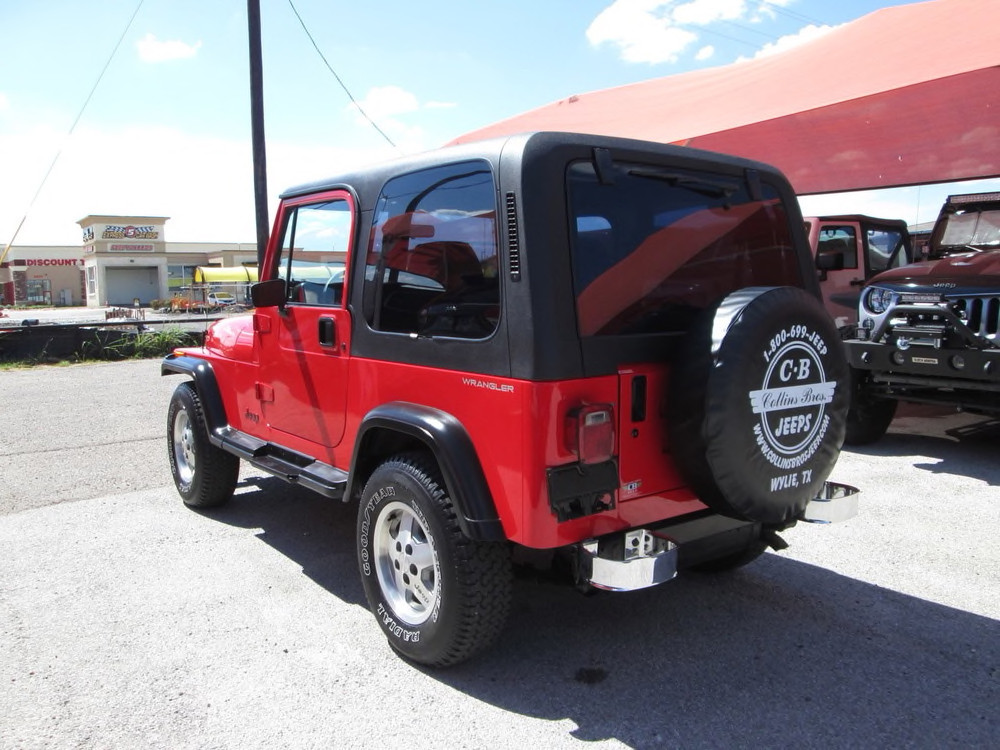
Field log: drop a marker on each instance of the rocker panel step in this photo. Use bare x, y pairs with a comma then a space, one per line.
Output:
293, 467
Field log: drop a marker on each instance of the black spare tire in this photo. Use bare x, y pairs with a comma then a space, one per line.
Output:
758, 403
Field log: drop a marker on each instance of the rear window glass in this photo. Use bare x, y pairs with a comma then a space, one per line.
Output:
658, 245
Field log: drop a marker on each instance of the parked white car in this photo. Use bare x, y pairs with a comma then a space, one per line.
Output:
220, 299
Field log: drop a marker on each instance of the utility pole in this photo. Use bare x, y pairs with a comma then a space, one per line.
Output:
257, 129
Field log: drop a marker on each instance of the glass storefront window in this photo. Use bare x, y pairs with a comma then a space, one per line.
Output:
39, 292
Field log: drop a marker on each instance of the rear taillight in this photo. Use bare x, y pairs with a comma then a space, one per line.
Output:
590, 433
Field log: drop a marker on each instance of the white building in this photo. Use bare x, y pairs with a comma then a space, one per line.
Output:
121, 259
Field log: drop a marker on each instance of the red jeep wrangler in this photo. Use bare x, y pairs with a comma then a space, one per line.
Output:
562, 347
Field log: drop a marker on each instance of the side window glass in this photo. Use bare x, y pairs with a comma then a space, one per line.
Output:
314, 252
842, 241
432, 263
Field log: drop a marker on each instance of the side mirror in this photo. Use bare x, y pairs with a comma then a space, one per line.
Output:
829, 260
270, 293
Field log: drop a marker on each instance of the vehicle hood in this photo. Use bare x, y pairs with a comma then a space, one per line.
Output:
969, 272
231, 337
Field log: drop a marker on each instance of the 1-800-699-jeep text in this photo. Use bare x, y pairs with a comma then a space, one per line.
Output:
555, 348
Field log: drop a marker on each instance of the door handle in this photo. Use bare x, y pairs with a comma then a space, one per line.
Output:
328, 332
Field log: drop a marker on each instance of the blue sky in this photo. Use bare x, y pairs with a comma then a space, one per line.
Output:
167, 130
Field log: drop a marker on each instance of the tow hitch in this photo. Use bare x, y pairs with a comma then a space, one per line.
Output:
634, 560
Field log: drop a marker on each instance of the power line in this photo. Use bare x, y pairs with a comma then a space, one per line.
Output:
704, 28
72, 127
337, 77
783, 11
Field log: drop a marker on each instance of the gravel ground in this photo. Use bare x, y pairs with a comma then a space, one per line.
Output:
127, 620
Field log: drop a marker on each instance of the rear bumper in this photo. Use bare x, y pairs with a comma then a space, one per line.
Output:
640, 558
835, 503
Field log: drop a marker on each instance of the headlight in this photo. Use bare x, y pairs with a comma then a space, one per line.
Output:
877, 300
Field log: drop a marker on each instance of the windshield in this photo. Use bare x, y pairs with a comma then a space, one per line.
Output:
651, 247
980, 229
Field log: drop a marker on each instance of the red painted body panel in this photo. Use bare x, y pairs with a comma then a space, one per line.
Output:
518, 427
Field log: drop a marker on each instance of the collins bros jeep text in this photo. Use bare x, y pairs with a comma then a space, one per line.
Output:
599, 354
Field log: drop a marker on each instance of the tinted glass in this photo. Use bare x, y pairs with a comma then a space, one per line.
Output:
658, 245
432, 264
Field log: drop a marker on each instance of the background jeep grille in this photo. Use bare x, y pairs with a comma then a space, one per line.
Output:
981, 314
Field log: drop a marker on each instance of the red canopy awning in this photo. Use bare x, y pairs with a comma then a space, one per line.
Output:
903, 96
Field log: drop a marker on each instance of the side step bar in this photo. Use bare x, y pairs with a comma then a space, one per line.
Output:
295, 468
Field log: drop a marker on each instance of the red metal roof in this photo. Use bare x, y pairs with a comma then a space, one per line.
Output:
905, 95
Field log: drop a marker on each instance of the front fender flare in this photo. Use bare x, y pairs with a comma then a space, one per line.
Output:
449, 442
203, 375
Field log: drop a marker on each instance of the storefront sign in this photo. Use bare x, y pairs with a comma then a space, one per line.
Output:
115, 232
53, 261
130, 248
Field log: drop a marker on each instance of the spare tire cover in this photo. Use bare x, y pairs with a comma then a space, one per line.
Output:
758, 402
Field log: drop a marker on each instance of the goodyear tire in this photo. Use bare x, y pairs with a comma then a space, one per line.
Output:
438, 596
758, 403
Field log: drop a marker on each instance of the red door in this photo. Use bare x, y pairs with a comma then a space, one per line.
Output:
304, 346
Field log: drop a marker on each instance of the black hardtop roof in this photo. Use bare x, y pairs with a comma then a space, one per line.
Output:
516, 145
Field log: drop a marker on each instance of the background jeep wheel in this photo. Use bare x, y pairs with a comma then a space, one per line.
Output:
869, 416
438, 596
758, 403
205, 476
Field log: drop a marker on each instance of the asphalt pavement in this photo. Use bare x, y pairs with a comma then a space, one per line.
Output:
128, 620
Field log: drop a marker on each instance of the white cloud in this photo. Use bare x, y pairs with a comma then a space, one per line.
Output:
152, 50
707, 11
388, 101
705, 53
642, 30
805, 34
388, 107
661, 31
766, 9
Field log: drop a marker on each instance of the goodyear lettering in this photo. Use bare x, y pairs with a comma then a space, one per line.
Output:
366, 524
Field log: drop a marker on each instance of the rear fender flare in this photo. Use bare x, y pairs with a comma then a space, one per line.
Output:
401, 423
